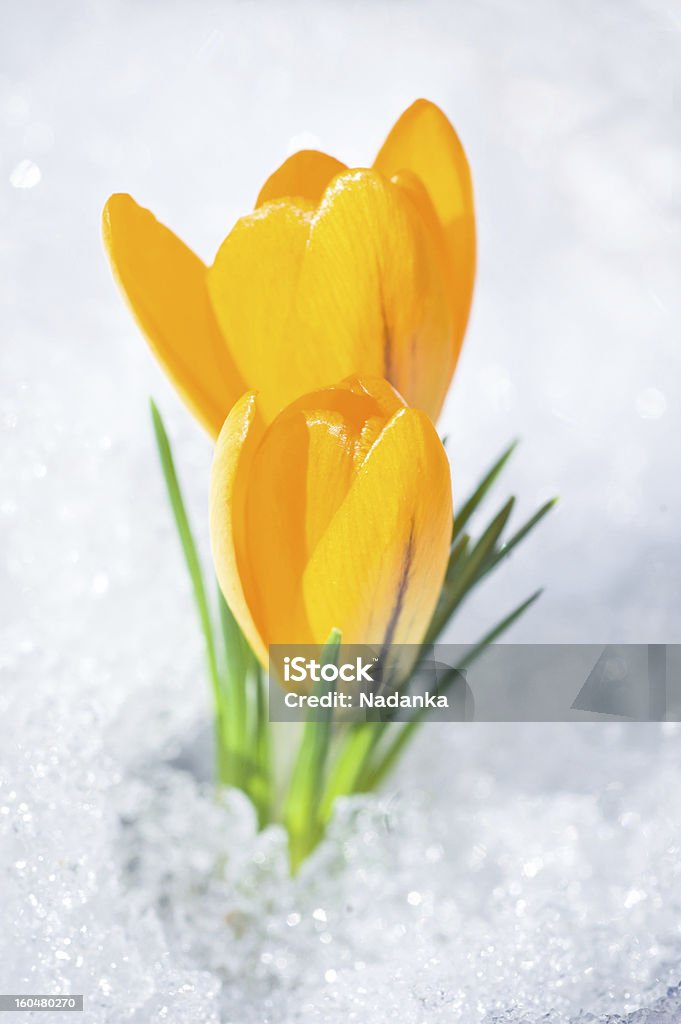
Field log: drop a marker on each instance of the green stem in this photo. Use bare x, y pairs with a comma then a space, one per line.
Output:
350, 764
262, 794
301, 808
235, 666
247, 729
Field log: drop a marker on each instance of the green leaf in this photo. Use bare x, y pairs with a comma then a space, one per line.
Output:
501, 553
476, 650
457, 555
471, 571
471, 504
406, 732
194, 568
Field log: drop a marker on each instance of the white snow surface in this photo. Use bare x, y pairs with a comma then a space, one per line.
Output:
515, 874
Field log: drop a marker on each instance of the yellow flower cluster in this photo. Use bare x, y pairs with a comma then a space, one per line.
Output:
319, 346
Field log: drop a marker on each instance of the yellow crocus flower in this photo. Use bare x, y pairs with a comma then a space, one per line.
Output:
336, 515
337, 271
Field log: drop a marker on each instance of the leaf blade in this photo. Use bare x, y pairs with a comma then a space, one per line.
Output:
471, 504
193, 564
470, 574
390, 757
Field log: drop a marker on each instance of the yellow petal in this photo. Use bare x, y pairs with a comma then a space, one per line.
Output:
423, 141
299, 477
232, 462
339, 513
305, 175
165, 285
372, 282
377, 572
253, 285
310, 295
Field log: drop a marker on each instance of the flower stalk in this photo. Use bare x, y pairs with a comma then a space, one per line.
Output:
301, 813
